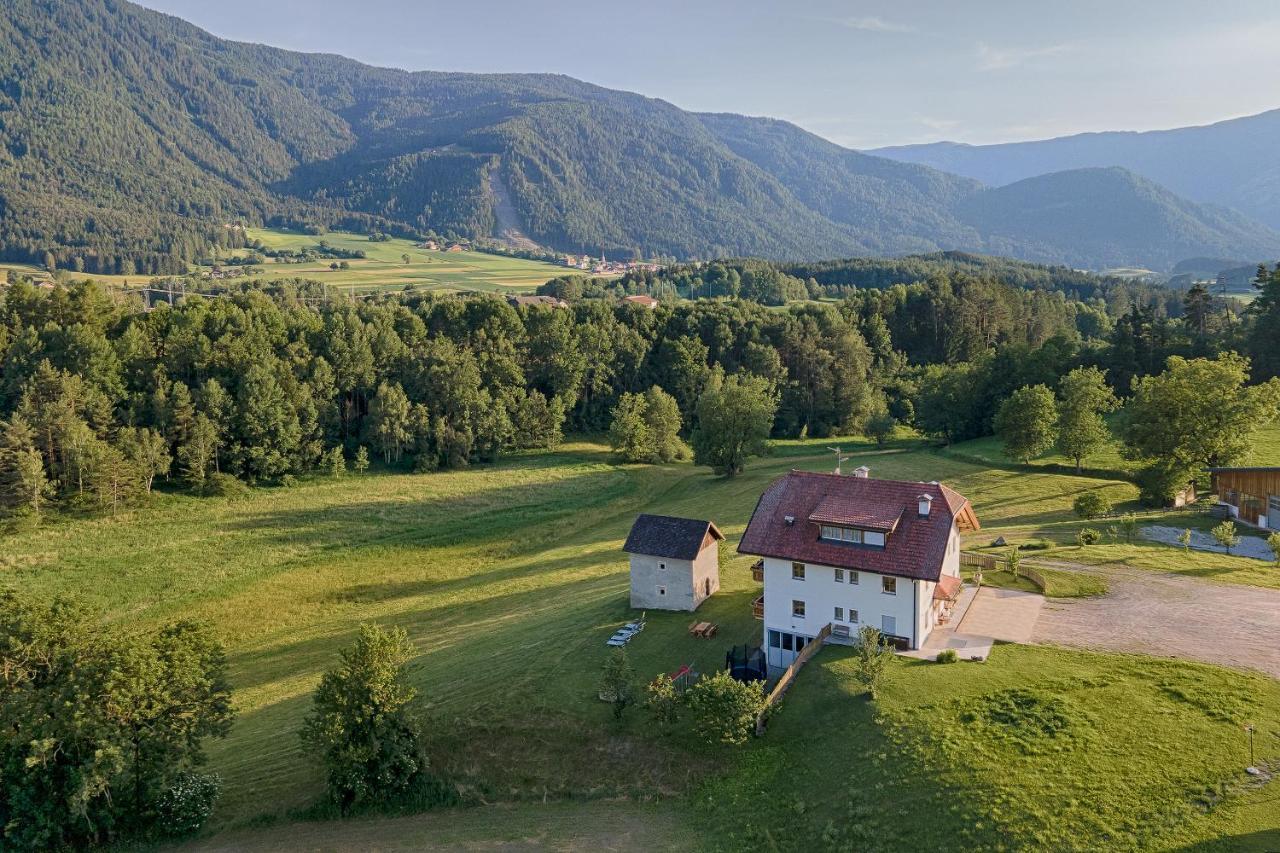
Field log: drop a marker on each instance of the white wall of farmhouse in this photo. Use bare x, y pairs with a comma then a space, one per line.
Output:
910, 607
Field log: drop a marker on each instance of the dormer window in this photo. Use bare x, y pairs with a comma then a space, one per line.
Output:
851, 535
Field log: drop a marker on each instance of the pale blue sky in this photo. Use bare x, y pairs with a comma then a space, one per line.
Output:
859, 73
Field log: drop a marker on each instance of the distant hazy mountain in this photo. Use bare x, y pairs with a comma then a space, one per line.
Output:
1234, 162
128, 139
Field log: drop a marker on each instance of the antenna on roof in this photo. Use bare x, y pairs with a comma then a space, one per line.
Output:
839, 459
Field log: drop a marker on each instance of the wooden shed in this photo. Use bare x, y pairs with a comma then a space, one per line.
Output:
1251, 494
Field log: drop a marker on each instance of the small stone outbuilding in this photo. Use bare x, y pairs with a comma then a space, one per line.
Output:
675, 562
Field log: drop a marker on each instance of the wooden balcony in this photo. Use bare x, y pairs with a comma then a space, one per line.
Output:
757, 571
757, 608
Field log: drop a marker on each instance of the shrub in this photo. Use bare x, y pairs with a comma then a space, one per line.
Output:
1159, 484
188, 803
724, 709
1127, 527
662, 699
288, 481
1226, 535
221, 485
360, 726
1091, 505
1273, 542
1013, 563
948, 656
1088, 536
873, 656
617, 681
1035, 545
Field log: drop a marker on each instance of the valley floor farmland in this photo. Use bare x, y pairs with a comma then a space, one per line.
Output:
384, 268
509, 578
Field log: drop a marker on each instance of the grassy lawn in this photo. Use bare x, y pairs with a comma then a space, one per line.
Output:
1266, 451
509, 578
1168, 558
1058, 584
1038, 748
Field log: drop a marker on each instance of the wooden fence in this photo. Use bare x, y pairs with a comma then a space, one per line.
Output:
780, 689
981, 562
989, 563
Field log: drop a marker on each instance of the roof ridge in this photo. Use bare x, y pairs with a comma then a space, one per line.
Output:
842, 477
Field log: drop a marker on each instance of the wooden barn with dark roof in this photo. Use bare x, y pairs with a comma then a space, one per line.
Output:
675, 562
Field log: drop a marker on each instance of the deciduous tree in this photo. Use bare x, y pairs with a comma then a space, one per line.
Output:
735, 414
1084, 398
1199, 412
1027, 422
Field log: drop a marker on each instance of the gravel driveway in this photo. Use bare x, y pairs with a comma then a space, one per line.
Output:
1168, 615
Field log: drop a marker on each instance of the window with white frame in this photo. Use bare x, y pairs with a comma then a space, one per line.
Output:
873, 539
840, 534
662, 566
853, 577
839, 614
797, 609
839, 575
853, 616
662, 590
889, 586
797, 571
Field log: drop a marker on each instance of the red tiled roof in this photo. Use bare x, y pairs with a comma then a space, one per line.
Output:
915, 549
854, 511
948, 586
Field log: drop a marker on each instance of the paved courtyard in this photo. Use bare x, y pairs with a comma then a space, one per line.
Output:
1165, 615
1003, 614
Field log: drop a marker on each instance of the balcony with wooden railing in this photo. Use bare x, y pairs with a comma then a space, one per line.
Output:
757, 571
757, 608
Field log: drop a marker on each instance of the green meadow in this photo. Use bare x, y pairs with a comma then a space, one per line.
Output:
384, 267
509, 578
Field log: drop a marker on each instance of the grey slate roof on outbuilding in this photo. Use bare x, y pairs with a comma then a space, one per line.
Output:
667, 536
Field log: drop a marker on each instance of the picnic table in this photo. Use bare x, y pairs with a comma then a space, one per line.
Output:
706, 630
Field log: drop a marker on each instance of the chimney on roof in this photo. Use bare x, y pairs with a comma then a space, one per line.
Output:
926, 504
789, 519
862, 471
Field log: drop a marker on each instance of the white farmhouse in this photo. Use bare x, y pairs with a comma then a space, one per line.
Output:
848, 551
675, 562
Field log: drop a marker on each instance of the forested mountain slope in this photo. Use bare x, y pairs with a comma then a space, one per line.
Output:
130, 140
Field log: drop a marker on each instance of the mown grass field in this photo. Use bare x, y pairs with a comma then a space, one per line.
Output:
509, 578
384, 268
1113, 549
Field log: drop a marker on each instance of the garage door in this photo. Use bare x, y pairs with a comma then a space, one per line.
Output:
1273, 512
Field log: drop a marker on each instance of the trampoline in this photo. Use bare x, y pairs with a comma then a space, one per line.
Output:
746, 663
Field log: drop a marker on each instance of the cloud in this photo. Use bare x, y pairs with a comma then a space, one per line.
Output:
875, 25
1000, 59
939, 124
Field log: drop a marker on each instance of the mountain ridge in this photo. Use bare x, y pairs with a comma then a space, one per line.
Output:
129, 140
1233, 162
